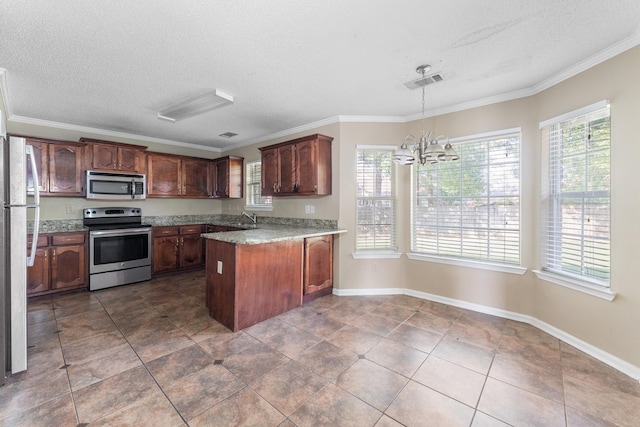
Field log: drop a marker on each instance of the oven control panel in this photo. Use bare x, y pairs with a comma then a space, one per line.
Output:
112, 212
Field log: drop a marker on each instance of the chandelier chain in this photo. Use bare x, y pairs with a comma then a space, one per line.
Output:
423, 102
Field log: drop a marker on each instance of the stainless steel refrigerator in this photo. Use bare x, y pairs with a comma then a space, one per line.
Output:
19, 194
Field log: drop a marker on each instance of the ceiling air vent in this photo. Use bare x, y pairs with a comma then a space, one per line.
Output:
228, 134
424, 81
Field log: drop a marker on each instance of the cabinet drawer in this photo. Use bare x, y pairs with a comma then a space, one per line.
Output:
67, 239
43, 241
191, 229
166, 231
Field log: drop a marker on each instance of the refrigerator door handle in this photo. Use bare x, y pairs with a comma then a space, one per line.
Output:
36, 205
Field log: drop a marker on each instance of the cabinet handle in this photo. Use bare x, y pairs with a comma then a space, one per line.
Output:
274, 186
182, 241
53, 252
45, 255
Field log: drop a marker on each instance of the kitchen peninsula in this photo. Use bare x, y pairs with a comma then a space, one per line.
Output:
253, 275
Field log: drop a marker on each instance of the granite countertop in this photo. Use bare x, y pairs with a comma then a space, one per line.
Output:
267, 233
268, 229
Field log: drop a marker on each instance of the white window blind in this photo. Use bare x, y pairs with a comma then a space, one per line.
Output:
376, 200
576, 196
253, 187
470, 208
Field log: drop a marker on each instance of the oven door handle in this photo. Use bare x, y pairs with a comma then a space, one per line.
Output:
119, 232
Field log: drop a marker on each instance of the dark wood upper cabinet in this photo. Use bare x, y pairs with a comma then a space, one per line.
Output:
164, 175
301, 167
113, 156
227, 177
270, 171
195, 178
65, 169
179, 176
60, 166
41, 155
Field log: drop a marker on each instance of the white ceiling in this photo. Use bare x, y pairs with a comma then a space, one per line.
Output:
112, 65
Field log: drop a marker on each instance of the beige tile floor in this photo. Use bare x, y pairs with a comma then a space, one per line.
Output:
148, 354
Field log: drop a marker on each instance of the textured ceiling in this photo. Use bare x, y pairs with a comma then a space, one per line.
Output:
112, 65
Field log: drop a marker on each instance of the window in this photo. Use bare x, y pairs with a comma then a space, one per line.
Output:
470, 209
255, 200
376, 199
576, 195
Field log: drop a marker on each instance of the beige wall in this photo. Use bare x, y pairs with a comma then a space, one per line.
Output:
609, 326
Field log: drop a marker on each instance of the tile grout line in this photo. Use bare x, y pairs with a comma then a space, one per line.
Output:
141, 361
64, 360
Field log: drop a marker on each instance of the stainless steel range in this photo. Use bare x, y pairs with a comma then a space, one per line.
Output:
119, 247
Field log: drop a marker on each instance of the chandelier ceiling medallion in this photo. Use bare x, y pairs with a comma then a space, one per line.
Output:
428, 149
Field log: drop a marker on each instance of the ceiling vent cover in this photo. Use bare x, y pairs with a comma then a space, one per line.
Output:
424, 81
228, 134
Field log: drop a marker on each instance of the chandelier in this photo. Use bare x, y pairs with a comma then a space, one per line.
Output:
428, 149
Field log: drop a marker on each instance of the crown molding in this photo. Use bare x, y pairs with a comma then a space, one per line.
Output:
590, 62
104, 132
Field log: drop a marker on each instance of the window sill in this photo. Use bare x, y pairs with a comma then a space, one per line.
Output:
377, 255
504, 268
258, 208
576, 285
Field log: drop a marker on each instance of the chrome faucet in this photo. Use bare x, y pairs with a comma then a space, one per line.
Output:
253, 217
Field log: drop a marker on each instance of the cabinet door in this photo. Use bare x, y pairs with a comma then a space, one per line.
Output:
306, 168
196, 180
104, 157
38, 275
287, 159
191, 251
65, 169
269, 167
41, 155
129, 159
318, 263
221, 178
163, 175
165, 253
235, 181
68, 268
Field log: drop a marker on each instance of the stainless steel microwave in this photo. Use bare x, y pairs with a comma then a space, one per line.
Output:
115, 186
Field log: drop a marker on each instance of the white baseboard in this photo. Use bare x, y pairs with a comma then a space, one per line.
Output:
593, 351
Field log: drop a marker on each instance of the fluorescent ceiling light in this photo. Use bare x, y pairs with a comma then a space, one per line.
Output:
201, 104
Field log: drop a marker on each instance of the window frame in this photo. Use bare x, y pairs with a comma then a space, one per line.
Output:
390, 251
552, 195
468, 261
267, 204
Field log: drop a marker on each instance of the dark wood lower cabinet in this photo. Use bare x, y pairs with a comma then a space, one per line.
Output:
60, 264
318, 267
177, 247
247, 284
